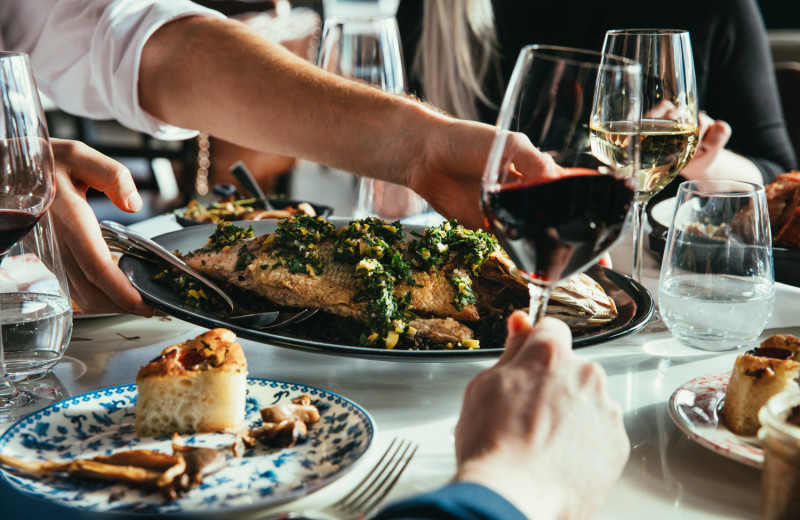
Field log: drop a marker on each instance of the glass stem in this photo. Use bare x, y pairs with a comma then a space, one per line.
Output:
638, 238
539, 298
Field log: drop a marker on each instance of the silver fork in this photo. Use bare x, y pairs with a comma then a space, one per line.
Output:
368, 494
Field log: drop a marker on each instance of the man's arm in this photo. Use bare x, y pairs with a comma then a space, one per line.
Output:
222, 78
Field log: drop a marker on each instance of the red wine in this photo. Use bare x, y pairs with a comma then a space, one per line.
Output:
14, 224
555, 229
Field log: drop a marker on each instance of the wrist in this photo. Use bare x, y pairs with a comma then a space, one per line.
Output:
533, 496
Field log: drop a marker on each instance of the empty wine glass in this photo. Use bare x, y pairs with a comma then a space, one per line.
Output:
27, 182
669, 120
368, 49
556, 226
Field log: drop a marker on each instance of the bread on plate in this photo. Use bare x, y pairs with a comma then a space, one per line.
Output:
758, 375
193, 387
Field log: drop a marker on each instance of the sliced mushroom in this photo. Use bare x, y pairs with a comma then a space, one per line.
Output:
299, 409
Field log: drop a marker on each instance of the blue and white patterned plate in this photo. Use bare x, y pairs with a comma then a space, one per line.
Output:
102, 422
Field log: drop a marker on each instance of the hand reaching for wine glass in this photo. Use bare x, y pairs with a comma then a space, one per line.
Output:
713, 160
570, 103
450, 178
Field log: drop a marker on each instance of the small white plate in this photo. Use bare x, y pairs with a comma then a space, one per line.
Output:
695, 407
662, 212
102, 422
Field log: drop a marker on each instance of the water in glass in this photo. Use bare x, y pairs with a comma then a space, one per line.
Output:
716, 312
716, 290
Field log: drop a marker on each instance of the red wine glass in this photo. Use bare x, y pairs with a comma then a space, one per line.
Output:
27, 179
556, 225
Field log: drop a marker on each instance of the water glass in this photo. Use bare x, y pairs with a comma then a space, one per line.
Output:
35, 309
368, 49
716, 290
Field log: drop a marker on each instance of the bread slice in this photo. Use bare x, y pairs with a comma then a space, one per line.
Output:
195, 386
758, 375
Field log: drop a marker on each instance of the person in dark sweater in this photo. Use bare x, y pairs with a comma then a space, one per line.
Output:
735, 75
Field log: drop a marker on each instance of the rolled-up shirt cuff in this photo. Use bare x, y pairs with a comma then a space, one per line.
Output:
132, 115
88, 61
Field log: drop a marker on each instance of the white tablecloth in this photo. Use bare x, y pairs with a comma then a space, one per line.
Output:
668, 475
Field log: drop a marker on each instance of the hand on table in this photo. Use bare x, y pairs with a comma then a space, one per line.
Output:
96, 283
539, 427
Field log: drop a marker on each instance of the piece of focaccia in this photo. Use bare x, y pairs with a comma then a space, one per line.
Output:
196, 386
758, 375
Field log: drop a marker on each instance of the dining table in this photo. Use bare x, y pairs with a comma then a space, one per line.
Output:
669, 474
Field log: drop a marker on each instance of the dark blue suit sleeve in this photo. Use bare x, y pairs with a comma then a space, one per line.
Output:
459, 501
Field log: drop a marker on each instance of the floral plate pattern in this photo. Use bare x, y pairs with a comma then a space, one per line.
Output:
102, 422
695, 407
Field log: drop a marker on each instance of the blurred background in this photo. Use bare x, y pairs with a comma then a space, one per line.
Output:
170, 173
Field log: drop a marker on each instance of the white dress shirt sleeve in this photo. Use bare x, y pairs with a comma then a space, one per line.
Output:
85, 54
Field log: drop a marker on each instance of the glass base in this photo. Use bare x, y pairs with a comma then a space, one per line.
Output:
656, 324
13, 402
31, 396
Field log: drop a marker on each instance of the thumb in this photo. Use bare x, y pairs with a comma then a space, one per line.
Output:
519, 328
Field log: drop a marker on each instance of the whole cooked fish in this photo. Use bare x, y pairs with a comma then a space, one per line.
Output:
432, 287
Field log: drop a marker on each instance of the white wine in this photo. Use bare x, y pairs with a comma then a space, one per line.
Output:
666, 147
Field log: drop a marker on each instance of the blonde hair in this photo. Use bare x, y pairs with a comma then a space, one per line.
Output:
456, 50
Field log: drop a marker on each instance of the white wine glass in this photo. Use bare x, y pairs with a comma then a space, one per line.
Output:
368, 49
556, 226
27, 183
669, 121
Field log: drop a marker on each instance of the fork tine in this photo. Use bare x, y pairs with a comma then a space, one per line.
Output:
388, 484
294, 319
367, 480
380, 480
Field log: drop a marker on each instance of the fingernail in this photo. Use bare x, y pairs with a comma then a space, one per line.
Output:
517, 322
144, 310
134, 202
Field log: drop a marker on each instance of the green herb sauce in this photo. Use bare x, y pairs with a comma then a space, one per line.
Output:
369, 245
295, 243
226, 235
437, 244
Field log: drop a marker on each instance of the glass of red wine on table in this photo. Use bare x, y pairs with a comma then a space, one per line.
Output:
27, 187
557, 211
